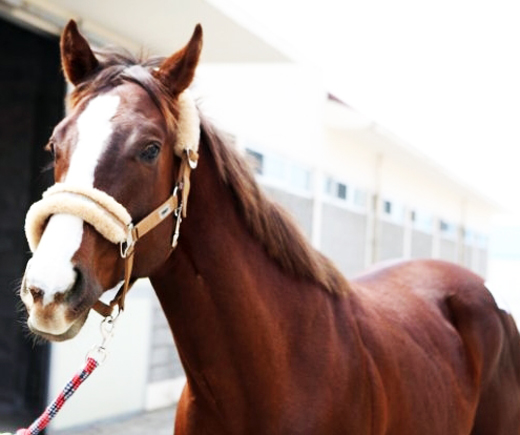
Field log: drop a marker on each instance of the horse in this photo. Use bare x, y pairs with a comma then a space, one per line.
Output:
273, 339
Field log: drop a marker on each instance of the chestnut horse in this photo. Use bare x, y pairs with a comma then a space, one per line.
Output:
272, 337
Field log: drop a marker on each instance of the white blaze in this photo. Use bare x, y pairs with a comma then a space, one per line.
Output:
51, 268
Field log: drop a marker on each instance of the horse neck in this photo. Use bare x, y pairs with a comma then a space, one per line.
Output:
231, 308
211, 283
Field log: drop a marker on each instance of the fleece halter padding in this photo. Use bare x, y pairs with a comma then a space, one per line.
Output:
99, 209
94, 206
188, 126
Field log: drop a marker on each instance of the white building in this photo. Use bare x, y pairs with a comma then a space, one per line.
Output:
358, 192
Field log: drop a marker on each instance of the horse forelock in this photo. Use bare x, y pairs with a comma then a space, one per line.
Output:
118, 67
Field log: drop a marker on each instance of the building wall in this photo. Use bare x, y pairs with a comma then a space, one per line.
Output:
165, 374
448, 250
343, 238
164, 359
421, 245
483, 260
299, 207
391, 241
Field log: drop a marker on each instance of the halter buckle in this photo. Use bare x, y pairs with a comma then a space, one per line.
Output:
127, 247
178, 220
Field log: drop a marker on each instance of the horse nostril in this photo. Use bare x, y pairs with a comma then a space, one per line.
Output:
36, 293
78, 278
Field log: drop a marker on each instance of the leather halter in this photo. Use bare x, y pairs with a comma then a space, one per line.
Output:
176, 204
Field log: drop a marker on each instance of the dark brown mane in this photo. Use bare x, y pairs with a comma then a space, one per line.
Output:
268, 222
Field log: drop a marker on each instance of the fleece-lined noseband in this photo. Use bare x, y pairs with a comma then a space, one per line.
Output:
109, 217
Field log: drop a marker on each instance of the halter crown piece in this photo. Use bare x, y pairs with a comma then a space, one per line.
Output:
109, 217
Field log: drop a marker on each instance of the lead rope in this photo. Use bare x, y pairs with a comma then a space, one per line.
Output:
94, 358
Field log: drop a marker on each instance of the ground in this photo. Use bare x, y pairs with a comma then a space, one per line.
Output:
157, 423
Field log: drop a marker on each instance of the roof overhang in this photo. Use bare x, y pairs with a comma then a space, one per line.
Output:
156, 26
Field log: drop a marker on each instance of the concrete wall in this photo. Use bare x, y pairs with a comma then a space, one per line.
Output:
343, 239
300, 208
422, 245
391, 241
448, 250
164, 360
482, 263
166, 377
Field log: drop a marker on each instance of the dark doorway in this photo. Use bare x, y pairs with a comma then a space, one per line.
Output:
31, 103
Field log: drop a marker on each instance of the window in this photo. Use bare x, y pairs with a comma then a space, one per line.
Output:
448, 229
474, 238
336, 189
342, 191
256, 160
387, 207
345, 193
422, 221
360, 198
329, 186
274, 168
469, 236
393, 211
481, 240
299, 177
279, 170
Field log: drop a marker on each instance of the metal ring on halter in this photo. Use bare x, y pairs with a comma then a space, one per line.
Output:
126, 247
178, 219
191, 161
107, 329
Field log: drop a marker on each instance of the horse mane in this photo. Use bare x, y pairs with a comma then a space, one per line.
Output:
267, 221
271, 225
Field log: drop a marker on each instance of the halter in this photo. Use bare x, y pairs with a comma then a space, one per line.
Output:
110, 218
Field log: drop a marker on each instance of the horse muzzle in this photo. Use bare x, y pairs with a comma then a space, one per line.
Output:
57, 316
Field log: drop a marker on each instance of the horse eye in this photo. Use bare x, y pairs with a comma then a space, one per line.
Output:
150, 153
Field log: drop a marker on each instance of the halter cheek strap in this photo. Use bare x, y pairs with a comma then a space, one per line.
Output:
174, 204
110, 218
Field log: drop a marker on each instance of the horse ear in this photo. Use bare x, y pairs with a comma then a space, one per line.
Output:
77, 59
177, 72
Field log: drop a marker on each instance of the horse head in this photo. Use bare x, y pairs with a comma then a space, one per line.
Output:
117, 154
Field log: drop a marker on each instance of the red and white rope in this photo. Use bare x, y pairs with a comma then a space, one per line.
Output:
42, 422
94, 358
